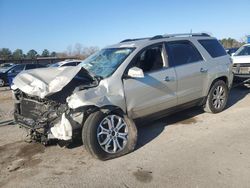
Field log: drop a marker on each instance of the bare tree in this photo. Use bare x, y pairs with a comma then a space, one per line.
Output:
62, 54
69, 50
87, 51
78, 50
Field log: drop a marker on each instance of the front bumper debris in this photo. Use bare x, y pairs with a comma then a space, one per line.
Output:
46, 119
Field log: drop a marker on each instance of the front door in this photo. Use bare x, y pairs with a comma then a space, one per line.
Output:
157, 90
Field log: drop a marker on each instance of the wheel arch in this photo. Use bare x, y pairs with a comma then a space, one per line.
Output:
223, 78
107, 109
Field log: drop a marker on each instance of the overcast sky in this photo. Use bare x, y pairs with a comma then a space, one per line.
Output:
56, 24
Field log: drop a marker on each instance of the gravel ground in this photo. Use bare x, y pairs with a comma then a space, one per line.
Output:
188, 149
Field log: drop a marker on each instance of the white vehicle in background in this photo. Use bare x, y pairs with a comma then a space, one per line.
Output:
67, 62
241, 63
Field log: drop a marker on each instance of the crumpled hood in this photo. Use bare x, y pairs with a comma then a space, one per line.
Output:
44, 81
241, 59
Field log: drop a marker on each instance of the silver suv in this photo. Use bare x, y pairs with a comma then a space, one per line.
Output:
100, 99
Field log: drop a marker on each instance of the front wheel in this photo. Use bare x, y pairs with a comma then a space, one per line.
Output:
108, 136
217, 97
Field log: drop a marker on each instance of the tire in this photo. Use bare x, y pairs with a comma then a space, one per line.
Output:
218, 92
2, 83
102, 146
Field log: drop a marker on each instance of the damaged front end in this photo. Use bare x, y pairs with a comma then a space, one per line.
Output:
50, 117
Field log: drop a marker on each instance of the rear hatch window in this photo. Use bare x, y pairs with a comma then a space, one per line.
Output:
213, 47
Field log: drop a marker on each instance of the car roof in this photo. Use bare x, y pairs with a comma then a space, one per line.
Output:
141, 42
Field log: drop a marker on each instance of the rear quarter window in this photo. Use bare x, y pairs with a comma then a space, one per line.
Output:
213, 47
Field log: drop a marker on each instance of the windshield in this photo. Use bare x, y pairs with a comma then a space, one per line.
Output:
6, 69
106, 61
244, 50
5, 65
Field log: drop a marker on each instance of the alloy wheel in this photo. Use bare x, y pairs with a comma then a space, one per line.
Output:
219, 97
112, 134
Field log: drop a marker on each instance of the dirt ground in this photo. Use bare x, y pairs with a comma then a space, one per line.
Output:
188, 149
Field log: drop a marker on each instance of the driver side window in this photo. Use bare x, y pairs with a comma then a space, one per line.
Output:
150, 59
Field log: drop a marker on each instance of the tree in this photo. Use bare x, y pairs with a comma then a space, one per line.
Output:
45, 53
62, 54
69, 50
5, 53
78, 50
53, 54
17, 54
32, 54
231, 43
89, 51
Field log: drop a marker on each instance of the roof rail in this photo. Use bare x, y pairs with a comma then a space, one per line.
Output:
130, 40
180, 35
168, 36
157, 37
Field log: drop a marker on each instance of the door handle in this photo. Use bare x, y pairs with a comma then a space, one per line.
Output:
169, 79
202, 70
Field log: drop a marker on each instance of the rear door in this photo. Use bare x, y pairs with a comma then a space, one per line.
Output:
157, 90
191, 70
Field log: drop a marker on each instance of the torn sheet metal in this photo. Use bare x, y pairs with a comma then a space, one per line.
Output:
99, 96
44, 81
63, 129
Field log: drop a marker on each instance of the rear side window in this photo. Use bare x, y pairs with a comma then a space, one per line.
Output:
30, 66
213, 47
182, 52
40, 66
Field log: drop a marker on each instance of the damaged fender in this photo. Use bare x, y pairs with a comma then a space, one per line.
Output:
99, 96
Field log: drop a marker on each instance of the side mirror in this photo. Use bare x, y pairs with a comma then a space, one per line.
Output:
135, 72
232, 54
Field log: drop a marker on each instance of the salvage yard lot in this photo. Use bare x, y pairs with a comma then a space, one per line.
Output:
188, 149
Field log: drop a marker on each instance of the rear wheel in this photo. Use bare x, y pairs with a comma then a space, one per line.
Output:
2, 83
217, 97
108, 136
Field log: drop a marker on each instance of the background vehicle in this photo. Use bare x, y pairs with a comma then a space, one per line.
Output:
241, 63
5, 66
66, 63
4, 76
137, 79
231, 51
7, 76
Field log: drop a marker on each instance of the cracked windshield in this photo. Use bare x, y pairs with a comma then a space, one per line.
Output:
106, 61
